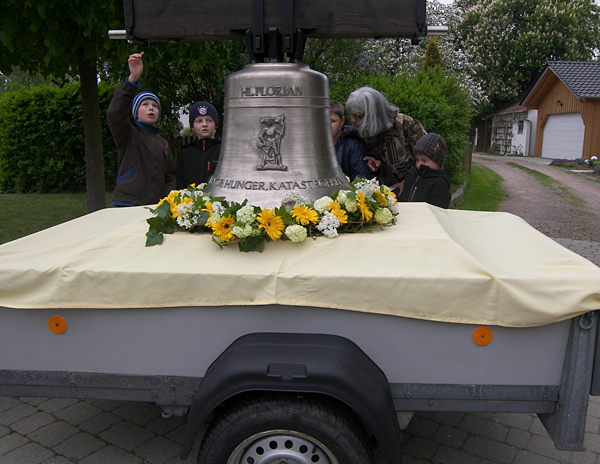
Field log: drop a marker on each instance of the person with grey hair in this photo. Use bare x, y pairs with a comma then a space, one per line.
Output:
389, 136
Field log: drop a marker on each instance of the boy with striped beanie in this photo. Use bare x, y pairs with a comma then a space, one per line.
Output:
146, 171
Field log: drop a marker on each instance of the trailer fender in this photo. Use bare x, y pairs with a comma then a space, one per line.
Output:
301, 363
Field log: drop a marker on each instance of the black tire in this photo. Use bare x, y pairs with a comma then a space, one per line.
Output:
291, 429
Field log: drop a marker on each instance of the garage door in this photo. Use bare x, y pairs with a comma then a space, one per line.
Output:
563, 136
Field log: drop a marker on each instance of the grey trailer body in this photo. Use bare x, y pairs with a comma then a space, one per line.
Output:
162, 356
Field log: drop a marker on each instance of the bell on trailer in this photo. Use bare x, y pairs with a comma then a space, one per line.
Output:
277, 136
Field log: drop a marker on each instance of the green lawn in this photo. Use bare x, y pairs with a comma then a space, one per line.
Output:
24, 214
483, 191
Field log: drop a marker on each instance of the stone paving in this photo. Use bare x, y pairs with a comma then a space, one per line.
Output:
63, 431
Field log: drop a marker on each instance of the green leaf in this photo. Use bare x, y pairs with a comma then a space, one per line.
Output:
252, 244
164, 210
153, 238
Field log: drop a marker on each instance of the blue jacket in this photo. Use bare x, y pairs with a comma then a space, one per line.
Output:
350, 154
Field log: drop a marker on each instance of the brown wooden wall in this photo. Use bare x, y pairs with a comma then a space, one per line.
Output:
590, 113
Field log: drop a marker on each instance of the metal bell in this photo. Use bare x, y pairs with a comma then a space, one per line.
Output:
277, 136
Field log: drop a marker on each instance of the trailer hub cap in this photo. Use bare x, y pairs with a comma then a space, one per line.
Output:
281, 447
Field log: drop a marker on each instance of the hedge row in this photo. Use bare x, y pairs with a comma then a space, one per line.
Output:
41, 130
41, 140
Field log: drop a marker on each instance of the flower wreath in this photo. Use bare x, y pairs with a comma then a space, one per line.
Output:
366, 205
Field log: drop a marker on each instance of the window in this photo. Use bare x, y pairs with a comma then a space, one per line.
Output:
520, 127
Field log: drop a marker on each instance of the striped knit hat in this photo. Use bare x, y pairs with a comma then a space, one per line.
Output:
139, 98
433, 146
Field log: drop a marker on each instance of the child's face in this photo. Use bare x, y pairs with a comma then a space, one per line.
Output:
148, 112
423, 160
204, 127
336, 126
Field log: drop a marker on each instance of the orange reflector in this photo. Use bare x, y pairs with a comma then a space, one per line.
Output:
482, 336
57, 324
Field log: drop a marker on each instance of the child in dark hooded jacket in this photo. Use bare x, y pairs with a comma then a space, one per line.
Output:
427, 181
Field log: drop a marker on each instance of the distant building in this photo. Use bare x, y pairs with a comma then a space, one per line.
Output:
508, 131
567, 98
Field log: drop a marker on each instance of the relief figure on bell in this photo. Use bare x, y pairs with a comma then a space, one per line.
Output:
269, 141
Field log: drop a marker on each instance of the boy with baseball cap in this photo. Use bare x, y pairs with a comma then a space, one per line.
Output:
199, 159
427, 181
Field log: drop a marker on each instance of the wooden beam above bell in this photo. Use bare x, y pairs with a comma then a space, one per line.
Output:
162, 20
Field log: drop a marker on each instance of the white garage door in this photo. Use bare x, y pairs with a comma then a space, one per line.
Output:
563, 136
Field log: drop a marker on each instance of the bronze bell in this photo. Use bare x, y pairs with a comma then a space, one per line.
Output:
277, 136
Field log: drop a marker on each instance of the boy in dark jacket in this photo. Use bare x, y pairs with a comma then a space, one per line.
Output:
146, 171
349, 150
427, 181
199, 159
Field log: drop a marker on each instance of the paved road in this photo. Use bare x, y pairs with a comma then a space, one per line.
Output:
62, 431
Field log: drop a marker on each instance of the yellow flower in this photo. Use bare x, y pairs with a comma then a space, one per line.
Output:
272, 223
366, 213
303, 215
380, 197
171, 200
208, 207
338, 212
222, 229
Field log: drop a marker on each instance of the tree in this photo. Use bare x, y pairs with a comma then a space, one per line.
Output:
511, 40
60, 37
432, 56
398, 56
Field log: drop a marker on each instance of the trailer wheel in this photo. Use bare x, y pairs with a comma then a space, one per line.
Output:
289, 429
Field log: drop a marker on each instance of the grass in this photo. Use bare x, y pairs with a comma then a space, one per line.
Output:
549, 182
483, 191
24, 214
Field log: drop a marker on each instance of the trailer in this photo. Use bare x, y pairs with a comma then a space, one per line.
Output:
310, 352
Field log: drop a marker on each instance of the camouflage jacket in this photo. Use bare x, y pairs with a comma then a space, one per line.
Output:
394, 148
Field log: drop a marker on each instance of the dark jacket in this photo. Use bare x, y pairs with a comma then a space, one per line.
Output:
146, 171
428, 185
350, 154
198, 162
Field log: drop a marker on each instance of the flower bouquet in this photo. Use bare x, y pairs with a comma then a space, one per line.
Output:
364, 206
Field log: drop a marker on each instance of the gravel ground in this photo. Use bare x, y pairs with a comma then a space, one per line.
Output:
569, 209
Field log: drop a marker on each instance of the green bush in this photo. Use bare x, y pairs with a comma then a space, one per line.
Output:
596, 167
433, 98
41, 140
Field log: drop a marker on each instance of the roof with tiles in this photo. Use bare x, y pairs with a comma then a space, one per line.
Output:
582, 78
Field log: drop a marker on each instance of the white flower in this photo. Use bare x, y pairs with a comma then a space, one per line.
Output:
245, 214
395, 208
594, 158
322, 204
367, 186
351, 205
184, 208
218, 208
328, 225
383, 216
215, 218
341, 198
295, 198
295, 233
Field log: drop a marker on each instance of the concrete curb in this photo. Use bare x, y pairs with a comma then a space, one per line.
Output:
458, 195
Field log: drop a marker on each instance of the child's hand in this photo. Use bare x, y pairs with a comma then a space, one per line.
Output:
372, 163
136, 66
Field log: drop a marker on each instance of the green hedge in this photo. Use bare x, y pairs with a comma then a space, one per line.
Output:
436, 100
41, 140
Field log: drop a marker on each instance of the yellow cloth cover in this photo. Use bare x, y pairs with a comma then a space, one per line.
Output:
435, 264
